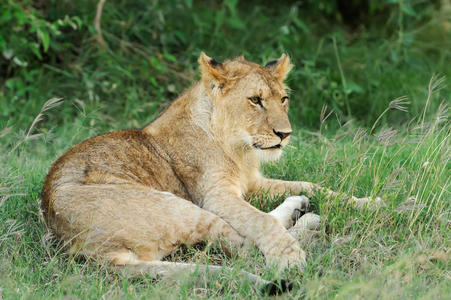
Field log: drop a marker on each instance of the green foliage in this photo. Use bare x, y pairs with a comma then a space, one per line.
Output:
152, 48
25, 32
28, 41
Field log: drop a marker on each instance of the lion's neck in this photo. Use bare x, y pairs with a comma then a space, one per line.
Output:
193, 116
219, 126
202, 110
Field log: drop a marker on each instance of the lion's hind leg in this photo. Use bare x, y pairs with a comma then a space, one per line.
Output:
134, 227
125, 224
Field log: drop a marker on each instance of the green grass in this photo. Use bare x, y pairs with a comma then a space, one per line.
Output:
400, 251
349, 135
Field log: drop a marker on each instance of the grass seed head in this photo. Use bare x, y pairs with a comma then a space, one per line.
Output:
387, 136
399, 103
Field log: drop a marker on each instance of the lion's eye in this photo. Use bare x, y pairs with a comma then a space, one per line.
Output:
284, 99
256, 100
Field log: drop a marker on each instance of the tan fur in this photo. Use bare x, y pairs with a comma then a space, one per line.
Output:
135, 195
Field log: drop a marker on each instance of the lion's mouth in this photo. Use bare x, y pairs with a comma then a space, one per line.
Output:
278, 146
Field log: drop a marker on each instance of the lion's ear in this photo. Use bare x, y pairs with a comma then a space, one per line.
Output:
280, 67
211, 69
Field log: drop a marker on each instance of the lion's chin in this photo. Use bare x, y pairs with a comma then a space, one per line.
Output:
269, 154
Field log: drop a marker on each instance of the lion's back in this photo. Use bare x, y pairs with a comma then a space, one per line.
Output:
120, 157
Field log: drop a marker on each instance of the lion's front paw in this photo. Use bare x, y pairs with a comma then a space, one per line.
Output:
309, 221
286, 254
306, 227
368, 202
291, 210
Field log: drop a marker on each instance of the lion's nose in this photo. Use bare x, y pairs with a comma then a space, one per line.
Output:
281, 134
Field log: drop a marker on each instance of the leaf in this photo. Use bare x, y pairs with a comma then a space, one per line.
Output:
236, 23
77, 20
153, 81
284, 30
154, 62
294, 17
408, 10
231, 4
20, 62
35, 49
169, 57
45, 39
301, 25
2, 44
352, 87
8, 53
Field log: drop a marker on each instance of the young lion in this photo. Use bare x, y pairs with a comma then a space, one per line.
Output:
132, 196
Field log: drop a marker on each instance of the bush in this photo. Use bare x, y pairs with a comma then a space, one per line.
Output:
49, 50
26, 35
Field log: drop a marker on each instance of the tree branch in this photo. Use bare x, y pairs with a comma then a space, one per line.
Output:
97, 24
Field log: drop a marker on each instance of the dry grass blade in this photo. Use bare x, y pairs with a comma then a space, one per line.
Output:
10, 228
435, 84
409, 205
399, 104
391, 181
442, 114
415, 140
422, 127
323, 117
341, 135
320, 137
5, 131
359, 135
342, 240
386, 136
49, 104
6, 197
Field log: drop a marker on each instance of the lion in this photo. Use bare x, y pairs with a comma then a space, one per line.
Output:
131, 197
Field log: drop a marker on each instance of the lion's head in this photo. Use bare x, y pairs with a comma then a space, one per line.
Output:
251, 101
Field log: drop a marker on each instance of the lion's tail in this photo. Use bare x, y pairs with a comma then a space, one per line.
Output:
167, 270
